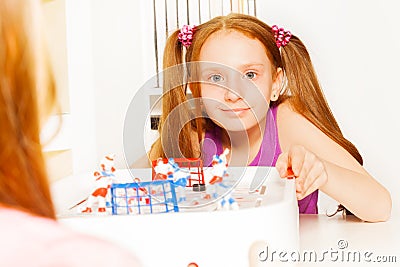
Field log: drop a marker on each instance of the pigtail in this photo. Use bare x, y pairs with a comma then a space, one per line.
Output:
305, 94
174, 128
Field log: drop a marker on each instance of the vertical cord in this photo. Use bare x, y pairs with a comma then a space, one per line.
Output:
209, 9
199, 11
166, 18
155, 43
177, 13
187, 12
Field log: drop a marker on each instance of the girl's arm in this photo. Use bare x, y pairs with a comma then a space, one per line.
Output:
320, 163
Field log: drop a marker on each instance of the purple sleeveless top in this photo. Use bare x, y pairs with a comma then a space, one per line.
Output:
266, 156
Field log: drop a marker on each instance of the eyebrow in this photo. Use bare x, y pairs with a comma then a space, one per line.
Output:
241, 67
246, 66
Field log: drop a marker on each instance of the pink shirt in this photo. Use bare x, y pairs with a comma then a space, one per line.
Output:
28, 240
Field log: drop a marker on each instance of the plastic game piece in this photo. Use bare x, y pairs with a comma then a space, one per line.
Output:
171, 171
103, 180
143, 197
162, 169
217, 187
179, 178
199, 187
194, 166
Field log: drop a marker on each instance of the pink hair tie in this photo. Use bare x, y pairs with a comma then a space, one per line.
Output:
185, 36
282, 37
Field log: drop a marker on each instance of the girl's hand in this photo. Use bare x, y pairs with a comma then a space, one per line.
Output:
305, 166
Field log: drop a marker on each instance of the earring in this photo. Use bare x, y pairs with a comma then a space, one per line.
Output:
274, 97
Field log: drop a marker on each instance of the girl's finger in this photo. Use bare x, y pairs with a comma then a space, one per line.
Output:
314, 186
317, 178
299, 186
282, 164
308, 164
304, 176
315, 172
296, 159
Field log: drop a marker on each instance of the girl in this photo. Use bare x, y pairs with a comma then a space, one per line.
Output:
30, 235
254, 91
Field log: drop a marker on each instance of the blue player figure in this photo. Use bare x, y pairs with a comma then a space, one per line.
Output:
217, 186
179, 178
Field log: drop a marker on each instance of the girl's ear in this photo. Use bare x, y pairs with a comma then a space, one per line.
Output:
277, 85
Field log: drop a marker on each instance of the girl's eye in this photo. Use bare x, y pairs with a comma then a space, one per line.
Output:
216, 78
250, 75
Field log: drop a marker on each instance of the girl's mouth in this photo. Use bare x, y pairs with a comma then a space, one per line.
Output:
235, 111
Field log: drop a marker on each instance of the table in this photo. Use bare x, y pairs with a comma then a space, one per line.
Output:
323, 240
349, 241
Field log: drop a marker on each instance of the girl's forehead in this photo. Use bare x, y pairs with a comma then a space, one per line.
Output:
233, 48
225, 37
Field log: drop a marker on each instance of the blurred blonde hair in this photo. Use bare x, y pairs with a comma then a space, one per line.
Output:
27, 94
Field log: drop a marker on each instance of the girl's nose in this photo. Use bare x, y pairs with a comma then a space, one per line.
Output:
233, 91
231, 95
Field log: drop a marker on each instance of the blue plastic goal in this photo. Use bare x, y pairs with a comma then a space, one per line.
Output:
143, 198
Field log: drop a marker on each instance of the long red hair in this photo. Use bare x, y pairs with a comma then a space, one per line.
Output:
23, 177
302, 92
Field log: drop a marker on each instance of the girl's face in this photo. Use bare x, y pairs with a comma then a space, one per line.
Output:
237, 82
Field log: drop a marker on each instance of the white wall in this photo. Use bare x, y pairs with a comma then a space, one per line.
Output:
80, 80
105, 70
118, 71
354, 46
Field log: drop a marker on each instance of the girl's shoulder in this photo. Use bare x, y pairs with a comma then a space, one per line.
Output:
287, 115
294, 128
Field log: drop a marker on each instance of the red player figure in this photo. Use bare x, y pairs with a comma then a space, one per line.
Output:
103, 181
163, 170
216, 186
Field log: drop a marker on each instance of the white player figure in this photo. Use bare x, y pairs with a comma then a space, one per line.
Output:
217, 186
162, 170
103, 181
179, 178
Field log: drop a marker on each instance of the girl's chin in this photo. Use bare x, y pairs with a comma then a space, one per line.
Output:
236, 126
